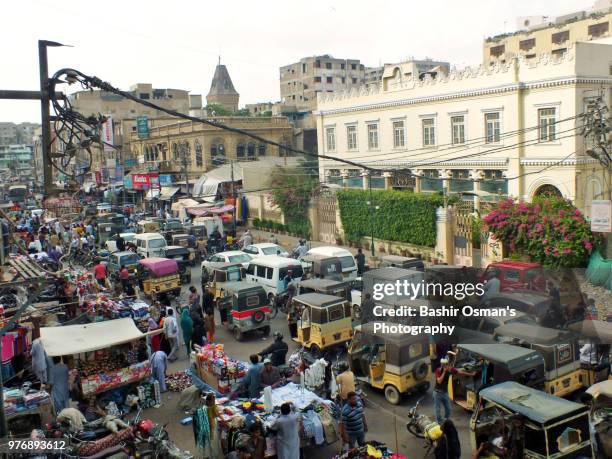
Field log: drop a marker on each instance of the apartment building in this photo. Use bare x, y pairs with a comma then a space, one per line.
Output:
510, 129
18, 159
17, 133
538, 35
301, 81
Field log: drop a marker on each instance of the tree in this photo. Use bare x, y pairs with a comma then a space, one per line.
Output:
217, 110
242, 112
266, 113
292, 189
550, 230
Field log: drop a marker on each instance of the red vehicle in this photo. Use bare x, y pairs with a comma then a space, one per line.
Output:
518, 275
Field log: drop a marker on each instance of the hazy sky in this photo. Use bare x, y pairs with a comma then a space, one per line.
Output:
176, 44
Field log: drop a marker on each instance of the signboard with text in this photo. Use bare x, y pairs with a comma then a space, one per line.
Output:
601, 216
108, 137
165, 180
127, 182
141, 181
142, 127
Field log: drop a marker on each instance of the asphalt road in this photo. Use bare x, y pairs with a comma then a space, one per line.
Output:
387, 423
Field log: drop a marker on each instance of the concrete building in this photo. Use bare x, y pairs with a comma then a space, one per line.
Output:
541, 34
261, 108
510, 129
17, 133
301, 81
16, 159
222, 90
105, 103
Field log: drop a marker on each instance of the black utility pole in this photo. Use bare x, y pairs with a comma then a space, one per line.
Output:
43, 65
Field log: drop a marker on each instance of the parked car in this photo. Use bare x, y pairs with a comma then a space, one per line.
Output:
265, 249
231, 256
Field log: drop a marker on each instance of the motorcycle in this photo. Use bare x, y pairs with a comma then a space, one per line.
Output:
421, 426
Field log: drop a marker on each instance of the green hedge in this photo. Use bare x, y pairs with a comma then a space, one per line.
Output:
401, 216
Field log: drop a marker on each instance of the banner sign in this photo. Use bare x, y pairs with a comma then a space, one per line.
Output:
108, 137
141, 181
154, 180
127, 182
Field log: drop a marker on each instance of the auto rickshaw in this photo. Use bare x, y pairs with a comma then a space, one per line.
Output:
158, 276
325, 321
148, 226
340, 289
396, 363
559, 349
598, 336
319, 266
552, 427
601, 415
402, 262
183, 259
499, 362
118, 259
216, 275
182, 240
248, 306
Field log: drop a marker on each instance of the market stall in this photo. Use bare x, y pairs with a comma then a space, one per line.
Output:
108, 354
217, 369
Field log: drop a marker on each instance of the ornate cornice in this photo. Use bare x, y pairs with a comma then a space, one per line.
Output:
557, 161
500, 89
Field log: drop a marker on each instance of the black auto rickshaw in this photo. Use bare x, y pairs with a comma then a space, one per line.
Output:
319, 266
340, 289
248, 306
551, 426
492, 364
183, 240
535, 304
396, 363
597, 336
216, 275
559, 349
183, 259
402, 262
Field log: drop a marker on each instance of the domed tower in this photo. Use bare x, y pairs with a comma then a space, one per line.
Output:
222, 90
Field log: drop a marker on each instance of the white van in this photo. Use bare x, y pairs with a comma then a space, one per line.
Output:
347, 260
149, 244
270, 272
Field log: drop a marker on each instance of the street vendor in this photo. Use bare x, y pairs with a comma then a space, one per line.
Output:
270, 376
287, 426
59, 382
159, 367
251, 381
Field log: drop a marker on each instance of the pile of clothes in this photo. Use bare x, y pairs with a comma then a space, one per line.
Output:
372, 450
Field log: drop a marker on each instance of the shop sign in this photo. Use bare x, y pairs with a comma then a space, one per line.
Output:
141, 181
142, 126
108, 137
601, 216
165, 179
130, 162
154, 180
127, 182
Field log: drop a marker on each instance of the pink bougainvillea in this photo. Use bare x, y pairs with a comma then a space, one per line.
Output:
550, 231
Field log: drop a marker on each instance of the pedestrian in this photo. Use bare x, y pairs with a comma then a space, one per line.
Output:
187, 327
100, 273
292, 319
120, 243
287, 279
223, 307
194, 298
153, 341
197, 337
171, 332
492, 286
208, 301
159, 367
353, 424
270, 376
209, 323
440, 393
39, 360
256, 444
287, 426
124, 278
448, 445
367, 308
59, 376
251, 382
277, 351
273, 239
360, 258
246, 239
346, 383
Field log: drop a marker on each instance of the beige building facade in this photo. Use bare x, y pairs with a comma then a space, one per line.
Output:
510, 129
553, 37
195, 147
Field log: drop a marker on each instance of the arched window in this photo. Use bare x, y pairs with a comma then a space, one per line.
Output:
185, 150
261, 150
548, 190
198, 154
251, 150
155, 153
217, 152
175, 153
240, 150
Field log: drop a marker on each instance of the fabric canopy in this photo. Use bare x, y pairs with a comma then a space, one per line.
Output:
167, 192
181, 203
76, 339
201, 210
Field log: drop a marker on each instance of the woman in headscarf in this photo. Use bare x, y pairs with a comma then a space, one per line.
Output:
187, 327
153, 341
197, 337
212, 449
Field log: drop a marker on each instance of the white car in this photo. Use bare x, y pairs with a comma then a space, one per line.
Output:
232, 256
265, 249
111, 244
